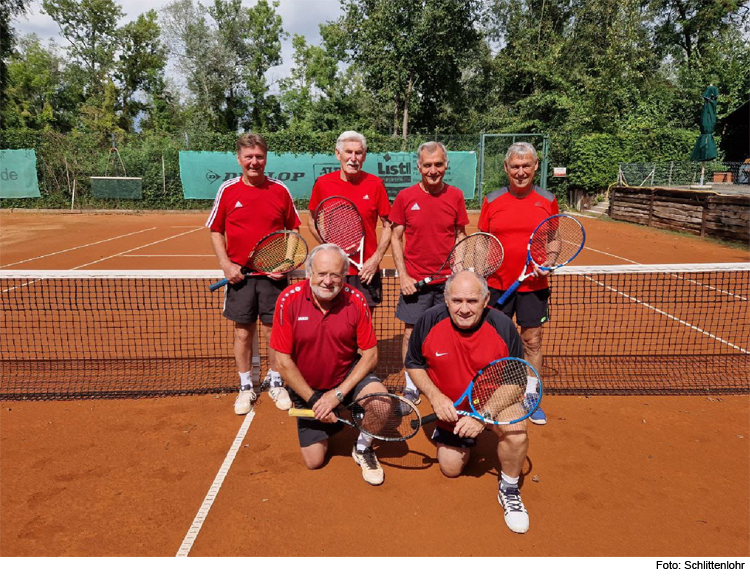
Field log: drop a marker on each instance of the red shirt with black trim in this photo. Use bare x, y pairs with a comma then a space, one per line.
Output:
430, 223
247, 213
323, 346
512, 220
453, 356
369, 197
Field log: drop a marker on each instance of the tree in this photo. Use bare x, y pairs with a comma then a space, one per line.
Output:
140, 65
411, 53
225, 52
90, 26
8, 9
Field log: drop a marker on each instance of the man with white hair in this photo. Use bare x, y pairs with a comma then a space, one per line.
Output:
368, 194
429, 218
511, 214
326, 350
450, 344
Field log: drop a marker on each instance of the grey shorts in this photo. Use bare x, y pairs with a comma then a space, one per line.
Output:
411, 307
530, 308
373, 291
253, 298
311, 431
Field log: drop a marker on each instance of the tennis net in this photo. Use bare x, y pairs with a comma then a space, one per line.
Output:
656, 329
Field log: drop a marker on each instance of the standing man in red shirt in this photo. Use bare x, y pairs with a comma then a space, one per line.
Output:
432, 216
246, 209
320, 327
368, 194
450, 344
511, 214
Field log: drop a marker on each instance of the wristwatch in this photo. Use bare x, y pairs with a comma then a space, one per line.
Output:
339, 396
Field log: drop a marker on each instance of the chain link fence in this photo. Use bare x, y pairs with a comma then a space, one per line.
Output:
684, 174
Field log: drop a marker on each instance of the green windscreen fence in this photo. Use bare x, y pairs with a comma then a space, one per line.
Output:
202, 173
18, 174
116, 187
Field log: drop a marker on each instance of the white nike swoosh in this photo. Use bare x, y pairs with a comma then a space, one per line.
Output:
440, 354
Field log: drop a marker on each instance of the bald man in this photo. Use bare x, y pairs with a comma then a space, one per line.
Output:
449, 345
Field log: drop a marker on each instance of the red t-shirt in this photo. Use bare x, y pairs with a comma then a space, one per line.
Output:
245, 214
324, 347
512, 220
453, 356
430, 223
368, 195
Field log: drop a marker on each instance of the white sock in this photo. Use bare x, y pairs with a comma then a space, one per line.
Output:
409, 384
246, 379
363, 442
274, 374
508, 481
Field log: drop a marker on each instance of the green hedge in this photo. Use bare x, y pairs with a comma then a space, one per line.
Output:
595, 158
63, 157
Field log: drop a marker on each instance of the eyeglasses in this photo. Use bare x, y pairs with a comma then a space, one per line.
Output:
332, 275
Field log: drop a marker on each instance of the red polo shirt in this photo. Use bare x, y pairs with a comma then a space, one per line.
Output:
369, 197
453, 356
430, 223
512, 220
246, 213
323, 347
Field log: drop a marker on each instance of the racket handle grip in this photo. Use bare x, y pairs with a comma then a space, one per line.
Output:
429, 418
217, 285
508, 293
423, 283
301, 413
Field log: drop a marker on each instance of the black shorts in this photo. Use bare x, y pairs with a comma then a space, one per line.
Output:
446, 437
373, 291
531, 308
311, 431
411, 307
252, 298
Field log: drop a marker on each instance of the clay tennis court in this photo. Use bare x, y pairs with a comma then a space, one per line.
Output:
608, 476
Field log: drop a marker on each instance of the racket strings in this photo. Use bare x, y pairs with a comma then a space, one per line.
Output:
339, 222
556, 241
500, 391
386, 416
480, 253
280, 252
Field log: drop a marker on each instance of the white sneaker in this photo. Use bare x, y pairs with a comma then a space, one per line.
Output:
372, 473
516, 516
244, 402
276, 390
280, 397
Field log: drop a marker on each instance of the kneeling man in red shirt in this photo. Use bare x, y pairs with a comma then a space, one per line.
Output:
326, 350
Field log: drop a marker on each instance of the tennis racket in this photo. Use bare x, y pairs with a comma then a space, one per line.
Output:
504, 392
384, 416
277, 253
553, 243
338, 222
480, 252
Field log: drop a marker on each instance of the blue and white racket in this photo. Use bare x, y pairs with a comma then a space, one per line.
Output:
554, 243
504, 392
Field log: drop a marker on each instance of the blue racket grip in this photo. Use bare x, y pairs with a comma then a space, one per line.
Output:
510, 291
217, 285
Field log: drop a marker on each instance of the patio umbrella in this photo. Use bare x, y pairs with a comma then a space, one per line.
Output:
705, 147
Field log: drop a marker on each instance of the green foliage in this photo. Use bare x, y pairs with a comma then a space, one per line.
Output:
595, 158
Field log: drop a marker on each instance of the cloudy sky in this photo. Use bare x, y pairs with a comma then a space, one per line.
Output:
299, 17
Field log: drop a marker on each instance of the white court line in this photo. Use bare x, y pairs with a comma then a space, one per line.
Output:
169, 255
665, 314
77, 248
134, 249
213, 491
